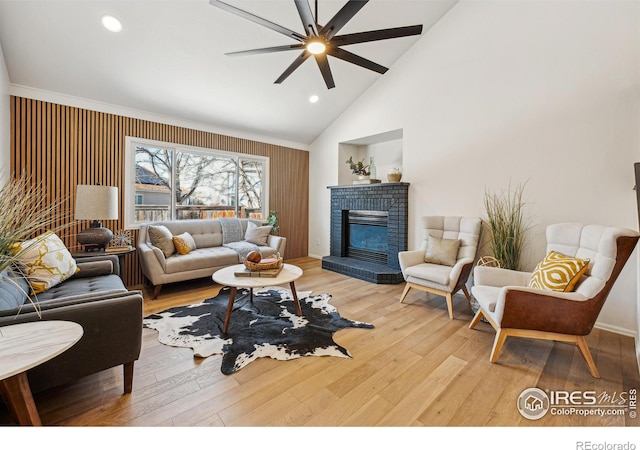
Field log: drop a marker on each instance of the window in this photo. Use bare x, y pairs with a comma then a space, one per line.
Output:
170, 182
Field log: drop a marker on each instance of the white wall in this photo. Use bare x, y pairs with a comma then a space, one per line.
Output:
502, 92
388, 155
5, 122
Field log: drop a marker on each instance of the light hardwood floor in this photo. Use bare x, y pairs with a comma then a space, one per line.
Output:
415, 368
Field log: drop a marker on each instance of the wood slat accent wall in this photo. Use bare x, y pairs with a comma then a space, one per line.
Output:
63, 146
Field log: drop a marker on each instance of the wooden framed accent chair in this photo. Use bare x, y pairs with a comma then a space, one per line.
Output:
562, 298
444, 262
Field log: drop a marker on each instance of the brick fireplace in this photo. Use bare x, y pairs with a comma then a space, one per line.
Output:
368, 229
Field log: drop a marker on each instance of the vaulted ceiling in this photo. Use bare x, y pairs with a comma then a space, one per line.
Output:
170, 60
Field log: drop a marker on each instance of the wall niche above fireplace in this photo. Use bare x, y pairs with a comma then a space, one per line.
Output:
369, 226
385, 148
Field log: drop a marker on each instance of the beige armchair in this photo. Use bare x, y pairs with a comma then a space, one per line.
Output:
513, 308
444, 261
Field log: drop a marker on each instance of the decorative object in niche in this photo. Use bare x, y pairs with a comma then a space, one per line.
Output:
372, 168
365, 180
358, 168
394, 175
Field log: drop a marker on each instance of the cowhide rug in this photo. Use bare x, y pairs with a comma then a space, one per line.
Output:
266, 327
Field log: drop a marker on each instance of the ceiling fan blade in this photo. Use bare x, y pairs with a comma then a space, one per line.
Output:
323, 64
258, 20
296, 63
342, 17
355, 59
377, 35
258, 51
306, 16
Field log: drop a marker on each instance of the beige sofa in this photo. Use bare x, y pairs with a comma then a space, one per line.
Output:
214, 248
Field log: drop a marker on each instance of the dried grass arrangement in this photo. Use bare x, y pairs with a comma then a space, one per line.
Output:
506, 219
25, 213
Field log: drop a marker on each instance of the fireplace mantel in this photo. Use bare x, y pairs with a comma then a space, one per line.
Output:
368, 186
393, 198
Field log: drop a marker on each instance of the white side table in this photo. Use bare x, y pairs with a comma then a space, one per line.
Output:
226, 277
24, 346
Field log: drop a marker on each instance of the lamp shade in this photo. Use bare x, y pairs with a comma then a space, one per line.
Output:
95, 202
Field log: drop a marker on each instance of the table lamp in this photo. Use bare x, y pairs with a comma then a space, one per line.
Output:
96, 203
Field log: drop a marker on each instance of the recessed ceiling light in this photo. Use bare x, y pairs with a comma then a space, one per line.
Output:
314, 99
111, 23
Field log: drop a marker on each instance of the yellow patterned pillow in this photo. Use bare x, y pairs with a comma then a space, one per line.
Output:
45, 261
558, 272
184, 243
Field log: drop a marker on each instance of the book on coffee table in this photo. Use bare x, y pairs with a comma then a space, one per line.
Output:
267, 273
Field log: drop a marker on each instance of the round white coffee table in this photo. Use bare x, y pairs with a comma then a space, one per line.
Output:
24, 346
227, 277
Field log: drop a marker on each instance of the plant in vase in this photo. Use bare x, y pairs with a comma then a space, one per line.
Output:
272, 219
507, 223
358, 167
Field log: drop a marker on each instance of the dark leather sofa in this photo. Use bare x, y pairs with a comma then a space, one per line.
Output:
95, 298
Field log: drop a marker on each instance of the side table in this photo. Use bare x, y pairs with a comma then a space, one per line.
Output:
79, 254
24, 346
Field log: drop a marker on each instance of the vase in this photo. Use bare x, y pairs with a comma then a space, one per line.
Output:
363, 177
372, 169
394, 175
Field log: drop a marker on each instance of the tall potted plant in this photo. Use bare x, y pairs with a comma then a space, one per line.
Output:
272, 219
507, 224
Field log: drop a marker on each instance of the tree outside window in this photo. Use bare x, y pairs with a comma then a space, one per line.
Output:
181, 184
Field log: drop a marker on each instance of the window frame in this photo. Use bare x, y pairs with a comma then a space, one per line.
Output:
130, 173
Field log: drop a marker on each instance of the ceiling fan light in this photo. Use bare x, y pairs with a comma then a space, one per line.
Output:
111, 23
316, 47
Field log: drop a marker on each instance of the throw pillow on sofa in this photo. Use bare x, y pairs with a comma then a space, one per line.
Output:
161, 237
45, 261
14, 290
257, 235
184, 243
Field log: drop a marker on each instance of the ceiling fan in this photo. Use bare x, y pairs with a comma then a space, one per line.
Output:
322, 40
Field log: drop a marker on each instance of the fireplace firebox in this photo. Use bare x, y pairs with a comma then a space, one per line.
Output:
367, 237
368, 229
